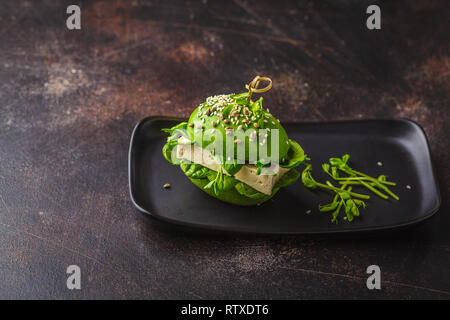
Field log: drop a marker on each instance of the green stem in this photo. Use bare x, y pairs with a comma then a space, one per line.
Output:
372, 178
336, 212
393, 195
360, 173
389, 183
357, 195
382, 195
355, 183
344, 185
365, 178
349, 191
378, 183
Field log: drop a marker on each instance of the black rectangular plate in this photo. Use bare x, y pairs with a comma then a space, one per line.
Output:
400, 145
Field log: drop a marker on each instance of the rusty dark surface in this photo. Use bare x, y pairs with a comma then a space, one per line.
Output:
70, 99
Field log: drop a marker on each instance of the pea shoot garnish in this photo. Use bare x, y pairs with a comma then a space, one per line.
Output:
344, 196
356, 177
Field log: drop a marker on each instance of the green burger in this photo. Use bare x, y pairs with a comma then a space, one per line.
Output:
234, 149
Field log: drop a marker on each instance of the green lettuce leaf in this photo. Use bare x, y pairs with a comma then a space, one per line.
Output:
241, 98
227, 183
289, 178
295, 155
172, 141
232, 168
220, 181
257, 105
248, 191
195, 170
178, 131
167, 151
181, 125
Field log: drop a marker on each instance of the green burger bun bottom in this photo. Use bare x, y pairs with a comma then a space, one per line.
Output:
232, 195
235, 197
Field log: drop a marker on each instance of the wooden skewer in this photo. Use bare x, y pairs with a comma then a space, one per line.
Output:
253, 86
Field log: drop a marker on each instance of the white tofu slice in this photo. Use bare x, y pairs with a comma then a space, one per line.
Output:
263, 183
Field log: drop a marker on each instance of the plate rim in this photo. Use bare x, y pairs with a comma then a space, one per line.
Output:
204, 227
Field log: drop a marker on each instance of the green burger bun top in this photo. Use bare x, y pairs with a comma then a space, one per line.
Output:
235, 115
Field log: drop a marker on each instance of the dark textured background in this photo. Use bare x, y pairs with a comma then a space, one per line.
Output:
70, 99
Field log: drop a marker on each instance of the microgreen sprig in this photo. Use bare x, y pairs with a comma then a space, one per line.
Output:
342, 198
217, 182
345, 197
376, 185
309, 182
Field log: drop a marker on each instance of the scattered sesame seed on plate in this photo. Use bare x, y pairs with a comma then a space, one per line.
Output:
308, 211
408, 187
167, 186
379, 163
